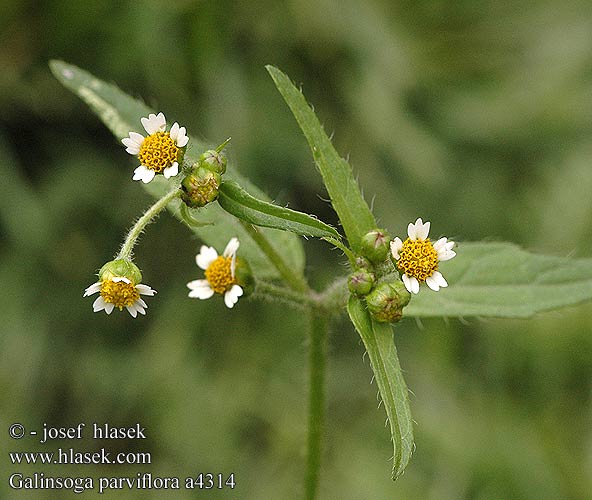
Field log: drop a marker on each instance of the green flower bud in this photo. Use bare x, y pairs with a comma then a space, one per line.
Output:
213, 160
244, 276
387, 300
200, 187
376, 245
362, 263
361, 282
121, 268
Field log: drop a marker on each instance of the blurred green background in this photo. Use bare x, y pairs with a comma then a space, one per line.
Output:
475, 115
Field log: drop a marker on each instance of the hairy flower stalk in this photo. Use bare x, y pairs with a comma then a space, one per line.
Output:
137, 229
119, 280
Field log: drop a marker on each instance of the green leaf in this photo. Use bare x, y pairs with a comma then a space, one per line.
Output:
241, 204
121, 113
379, 342
502, 280
346, 197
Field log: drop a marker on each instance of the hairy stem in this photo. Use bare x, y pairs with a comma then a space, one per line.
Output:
134, 233
319, 325
294, 281
266, 290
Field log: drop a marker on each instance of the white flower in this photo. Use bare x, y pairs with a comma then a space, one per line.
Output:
220, 276
417, 258
120, 292
159, 151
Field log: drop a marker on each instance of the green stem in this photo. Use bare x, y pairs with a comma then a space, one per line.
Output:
134, 233
319, 325
267, 290
334, 298
295, 281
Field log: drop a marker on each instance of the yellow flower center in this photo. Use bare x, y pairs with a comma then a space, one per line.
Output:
158, 151
219, 274
418, 259
119, 293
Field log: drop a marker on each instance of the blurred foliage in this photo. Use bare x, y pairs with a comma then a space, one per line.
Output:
474, 115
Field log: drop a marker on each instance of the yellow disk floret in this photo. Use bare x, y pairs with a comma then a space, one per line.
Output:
119, 293
219, 274
418, 259
158, 151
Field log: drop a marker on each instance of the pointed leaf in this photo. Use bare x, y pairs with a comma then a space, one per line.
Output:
502, 280
241, 204
379, 342
346, 197
121, 113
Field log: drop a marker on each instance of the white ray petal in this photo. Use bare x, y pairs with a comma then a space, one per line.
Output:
446, 255
412, 230
174, 131
145, 290
437, 276
132, 310
99, 304
441, 243
411, 283
182, 138
407, 283
432, 283
143, 174
132, 147
137, 138
133, 142
205, 257
117, 279
396, 246
146, 174
154, 123
423, 230
171, 171
94, 288
133, 150
232, 295
232, 247
200, 289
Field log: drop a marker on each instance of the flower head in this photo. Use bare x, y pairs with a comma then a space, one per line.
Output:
220, 274
118, 286
200, 187
417, 258
158, 152
375, 245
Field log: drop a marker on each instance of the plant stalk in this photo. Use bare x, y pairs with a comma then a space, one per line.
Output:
134, 233
294, 281
266, 290
319, 325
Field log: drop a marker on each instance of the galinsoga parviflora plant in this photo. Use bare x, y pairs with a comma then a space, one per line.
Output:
389, 278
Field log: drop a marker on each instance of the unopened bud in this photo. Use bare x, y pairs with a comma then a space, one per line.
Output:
375, 245
200, 187
387, 300
213, 160
363, 263
360, 282
121, 268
